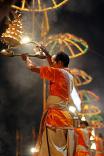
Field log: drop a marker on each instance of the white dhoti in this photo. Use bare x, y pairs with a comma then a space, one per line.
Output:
57, 141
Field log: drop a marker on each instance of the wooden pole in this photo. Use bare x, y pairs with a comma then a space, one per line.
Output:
44, 95
33, 21
18, 143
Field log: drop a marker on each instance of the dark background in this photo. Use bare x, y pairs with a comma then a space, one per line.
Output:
21, 90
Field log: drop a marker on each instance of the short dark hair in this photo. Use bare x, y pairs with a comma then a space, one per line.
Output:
63, 57
84, 123
100, 135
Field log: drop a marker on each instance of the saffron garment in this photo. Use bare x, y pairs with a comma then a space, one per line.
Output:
99, 146
56, 128
82, 142
58, 81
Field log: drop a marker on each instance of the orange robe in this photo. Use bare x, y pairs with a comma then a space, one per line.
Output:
82, 142
56, 121
99, 146
59, 83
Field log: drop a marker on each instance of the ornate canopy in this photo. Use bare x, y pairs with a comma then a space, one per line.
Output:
38, 5
80, 77
67, 43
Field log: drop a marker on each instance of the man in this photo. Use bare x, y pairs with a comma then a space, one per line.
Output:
83, 139
99, 145
56, 128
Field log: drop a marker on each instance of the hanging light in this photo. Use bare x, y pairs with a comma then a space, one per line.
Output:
13, 33
33, 150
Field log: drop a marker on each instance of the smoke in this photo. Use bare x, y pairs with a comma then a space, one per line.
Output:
83, 6
20, 97
21, 90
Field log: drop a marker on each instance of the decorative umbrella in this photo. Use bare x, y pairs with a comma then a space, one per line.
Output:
80, 77
87, 97
68, 43
97, 121
39, 5
89, 109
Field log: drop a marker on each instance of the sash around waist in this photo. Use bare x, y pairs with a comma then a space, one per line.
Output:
57, 102
82, 148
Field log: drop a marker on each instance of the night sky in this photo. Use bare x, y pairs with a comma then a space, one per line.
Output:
21, 90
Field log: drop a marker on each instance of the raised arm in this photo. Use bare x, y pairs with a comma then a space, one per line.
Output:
48, 56
30, 65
